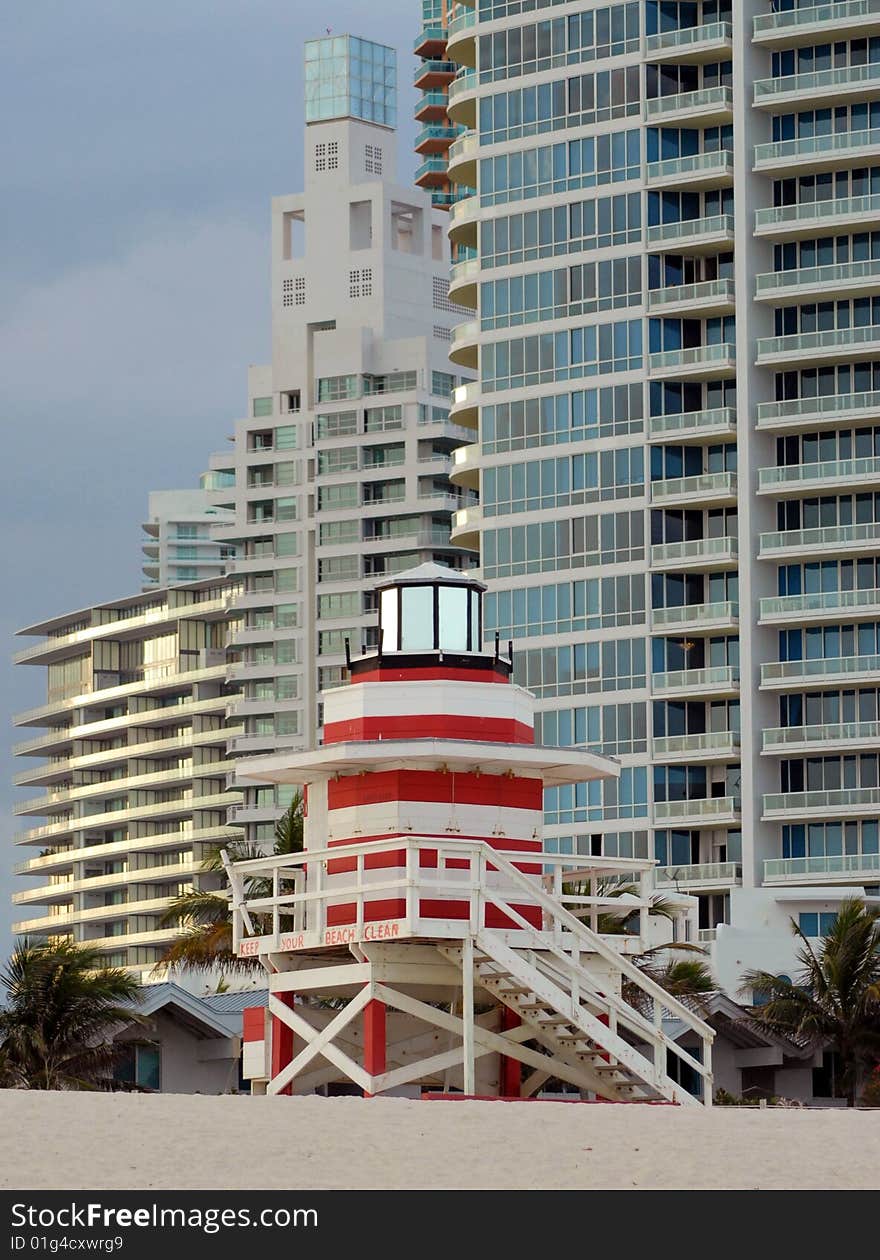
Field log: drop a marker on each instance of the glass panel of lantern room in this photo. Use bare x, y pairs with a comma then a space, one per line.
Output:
389, 620
417, 619
453, 618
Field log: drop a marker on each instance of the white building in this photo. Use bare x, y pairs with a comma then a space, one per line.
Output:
340, 472
179, 543
676, 429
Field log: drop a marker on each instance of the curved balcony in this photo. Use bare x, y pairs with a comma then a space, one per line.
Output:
832, 345
466, 466
794, 480
705, 107
699, 170
818, 673
829, 803
862, 276
710, 488
796, 27
434, 73
693, 426
824, 86
465, 409
817, 153
461, 44
709, 297
812, 216
708, 746
463, 218
435, 138
695, 362
463, 346
462, 159
464, 281
710, 42
695, 235
782, 741
696, 618
713, 682
462, 101
829, 411
708, 811
700, 875
826, 540
696, 553
817, 607
465, 530
840, 868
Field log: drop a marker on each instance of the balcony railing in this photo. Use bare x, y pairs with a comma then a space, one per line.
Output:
826, 409
714, 422
703, 485
830, 342
787, 606
694, 359
818, 212
799, 870
817, 82
696, 166
688, 231
710, 99
782, 737
720, 678
704, 809
694, 551
825, 538
815, 149
831, 669
685, 37
723, 612
720, 873
826, 802
791, 21
722, 743
713, 292
832, 275
866, 468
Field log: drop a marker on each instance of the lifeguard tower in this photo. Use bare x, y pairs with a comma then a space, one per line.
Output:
423, 938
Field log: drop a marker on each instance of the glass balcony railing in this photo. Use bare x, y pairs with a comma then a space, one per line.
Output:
865, 469
717, 164
718, 99
724, 612
824, 669
803, 148
463, 19
818, 212
824, 802
700, 873
694, 357
818, 82
832, 537
782, 737
688, 230
710, 550
810, 410
721, 743
780, 870
785, 606
716, 421
832, 340
430, 34
435, 134
719, 292
723, 678
836, 275
708, 808
685, 37
794, 20
704, 485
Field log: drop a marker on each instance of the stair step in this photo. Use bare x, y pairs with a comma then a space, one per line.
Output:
554, 1019
513, 988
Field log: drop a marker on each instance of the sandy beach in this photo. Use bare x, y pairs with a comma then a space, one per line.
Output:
128, 1141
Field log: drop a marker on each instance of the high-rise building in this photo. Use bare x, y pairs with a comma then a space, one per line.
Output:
438, 80
340, 472
133, 767
676, 430
179, 544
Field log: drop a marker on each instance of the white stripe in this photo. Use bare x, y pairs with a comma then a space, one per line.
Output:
413, 699
491, 822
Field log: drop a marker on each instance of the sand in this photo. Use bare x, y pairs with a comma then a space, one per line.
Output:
131, 1142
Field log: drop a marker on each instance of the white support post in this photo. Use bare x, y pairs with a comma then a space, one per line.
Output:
467, 1013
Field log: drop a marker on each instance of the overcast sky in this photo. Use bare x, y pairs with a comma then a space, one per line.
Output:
142, 144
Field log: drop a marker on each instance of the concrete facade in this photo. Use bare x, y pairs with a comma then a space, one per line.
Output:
179, 544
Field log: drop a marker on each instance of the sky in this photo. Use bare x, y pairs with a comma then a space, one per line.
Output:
142, 146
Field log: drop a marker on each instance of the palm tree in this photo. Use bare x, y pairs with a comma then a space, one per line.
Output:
835, 1003
62, 1003
206, 916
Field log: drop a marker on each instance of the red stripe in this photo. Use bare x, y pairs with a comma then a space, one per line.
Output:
427, 674
383, 786
395, 908
253, 1023
396, 858
430, 726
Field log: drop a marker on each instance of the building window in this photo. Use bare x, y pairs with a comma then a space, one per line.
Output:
813, 924
138, 1066
263, 406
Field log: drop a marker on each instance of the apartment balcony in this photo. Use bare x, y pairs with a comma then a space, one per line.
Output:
462, 159
696, 171
462, 106
62, 859
705, 107
796, 480
833, 279
465, 530
711, 42
694, 363
464, 282
834, 345
465, 409
827, 540
696, 236
797, 27
695, 553
713, 682
817, 153
818, 607
431, 42
832, 671
841, 868
709, 297
813, 217
701, 875
821, 86
434, 73
707, 811
56, 740
829, 411
431, 107
461, 45
414, 540
715, 489
693, 427
830, 803
432, 173
697, 618
783, 741
711, 746
463, 217
463, 347
434, 138
466, 466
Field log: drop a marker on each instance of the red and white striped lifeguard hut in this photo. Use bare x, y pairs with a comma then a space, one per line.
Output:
424, 940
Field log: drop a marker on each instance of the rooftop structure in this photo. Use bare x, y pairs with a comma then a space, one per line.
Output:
179, 544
